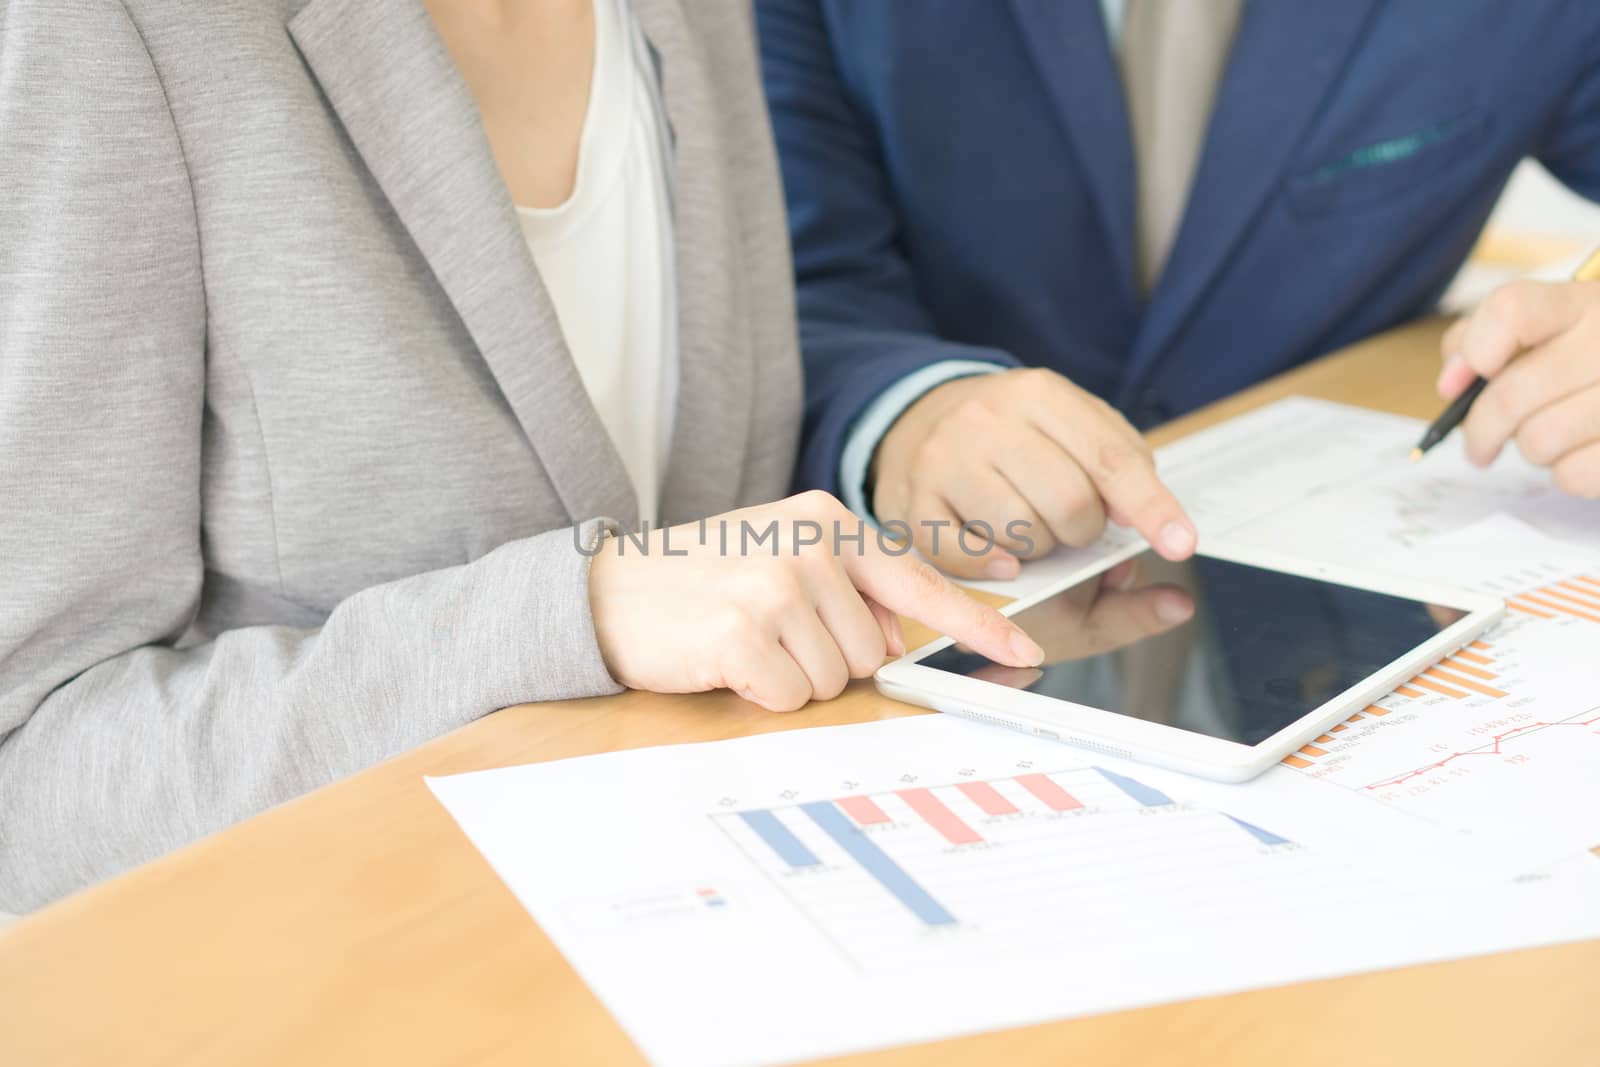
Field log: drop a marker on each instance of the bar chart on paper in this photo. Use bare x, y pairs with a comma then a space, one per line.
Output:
967, 867
789, 897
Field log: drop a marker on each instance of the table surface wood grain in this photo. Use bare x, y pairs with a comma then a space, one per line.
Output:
356, 924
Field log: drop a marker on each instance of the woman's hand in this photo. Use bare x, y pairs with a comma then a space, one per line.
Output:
780, 618
1538, 343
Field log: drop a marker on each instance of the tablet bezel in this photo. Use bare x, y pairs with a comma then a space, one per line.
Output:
1105, 731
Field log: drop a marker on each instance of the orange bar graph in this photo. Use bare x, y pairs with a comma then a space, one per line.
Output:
1376, 710
1338, 728
1458, 664
1312, 750
1325, 740
1567, 591
1296, 761
1481, 646
1407, 691
1435, 687
1465, 683
1592, 581
1543, 602
1581, 589
1526, 610
1473, 657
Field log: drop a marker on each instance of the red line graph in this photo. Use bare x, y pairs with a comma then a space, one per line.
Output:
1492, 747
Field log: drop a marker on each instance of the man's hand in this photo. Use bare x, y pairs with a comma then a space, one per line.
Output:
1538, 343
1023, 447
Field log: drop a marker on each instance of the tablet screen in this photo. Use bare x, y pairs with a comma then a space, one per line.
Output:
1257, 650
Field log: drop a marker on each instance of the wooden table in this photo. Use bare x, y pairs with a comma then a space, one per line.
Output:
357, 925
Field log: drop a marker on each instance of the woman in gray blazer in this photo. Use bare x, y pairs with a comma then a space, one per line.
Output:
298, 467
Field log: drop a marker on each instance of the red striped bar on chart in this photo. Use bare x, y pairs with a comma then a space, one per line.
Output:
864, 810
1049, 794
988, 798
933, 811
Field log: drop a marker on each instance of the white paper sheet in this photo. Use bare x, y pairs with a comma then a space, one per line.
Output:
1334, 483
1502, 742
1117, 543
1269, 462
823, 891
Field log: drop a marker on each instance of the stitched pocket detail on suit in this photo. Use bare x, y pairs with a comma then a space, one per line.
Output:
1385, 168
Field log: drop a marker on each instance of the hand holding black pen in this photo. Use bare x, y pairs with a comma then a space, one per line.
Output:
1538, 343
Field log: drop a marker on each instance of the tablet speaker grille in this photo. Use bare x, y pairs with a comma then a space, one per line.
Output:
1081, 742
968, 713
1095, 746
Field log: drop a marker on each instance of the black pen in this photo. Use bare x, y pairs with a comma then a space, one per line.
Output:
1456, 413
1452, 417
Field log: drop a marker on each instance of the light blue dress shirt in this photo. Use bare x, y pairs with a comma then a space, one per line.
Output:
890, 404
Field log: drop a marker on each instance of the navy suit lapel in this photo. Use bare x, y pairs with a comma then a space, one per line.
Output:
1286, 58
1068, 43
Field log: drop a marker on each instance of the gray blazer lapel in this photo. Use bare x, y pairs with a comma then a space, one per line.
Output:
716, 366
406, 109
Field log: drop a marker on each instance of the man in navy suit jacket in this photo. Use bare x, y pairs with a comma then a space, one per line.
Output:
962, 196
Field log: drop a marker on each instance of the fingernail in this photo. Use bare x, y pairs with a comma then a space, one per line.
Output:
1450, 374
1177, 538
1002, 568
1172, 608
1026, 649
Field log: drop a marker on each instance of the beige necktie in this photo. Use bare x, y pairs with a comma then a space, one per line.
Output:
1173, 56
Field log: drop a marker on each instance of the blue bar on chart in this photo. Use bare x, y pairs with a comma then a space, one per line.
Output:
1266, 837
1144, 794
877, 863
780, 838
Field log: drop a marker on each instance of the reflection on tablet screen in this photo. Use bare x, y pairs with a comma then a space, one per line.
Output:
1260, 648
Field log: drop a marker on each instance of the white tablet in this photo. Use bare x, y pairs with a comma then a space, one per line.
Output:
1273, 653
